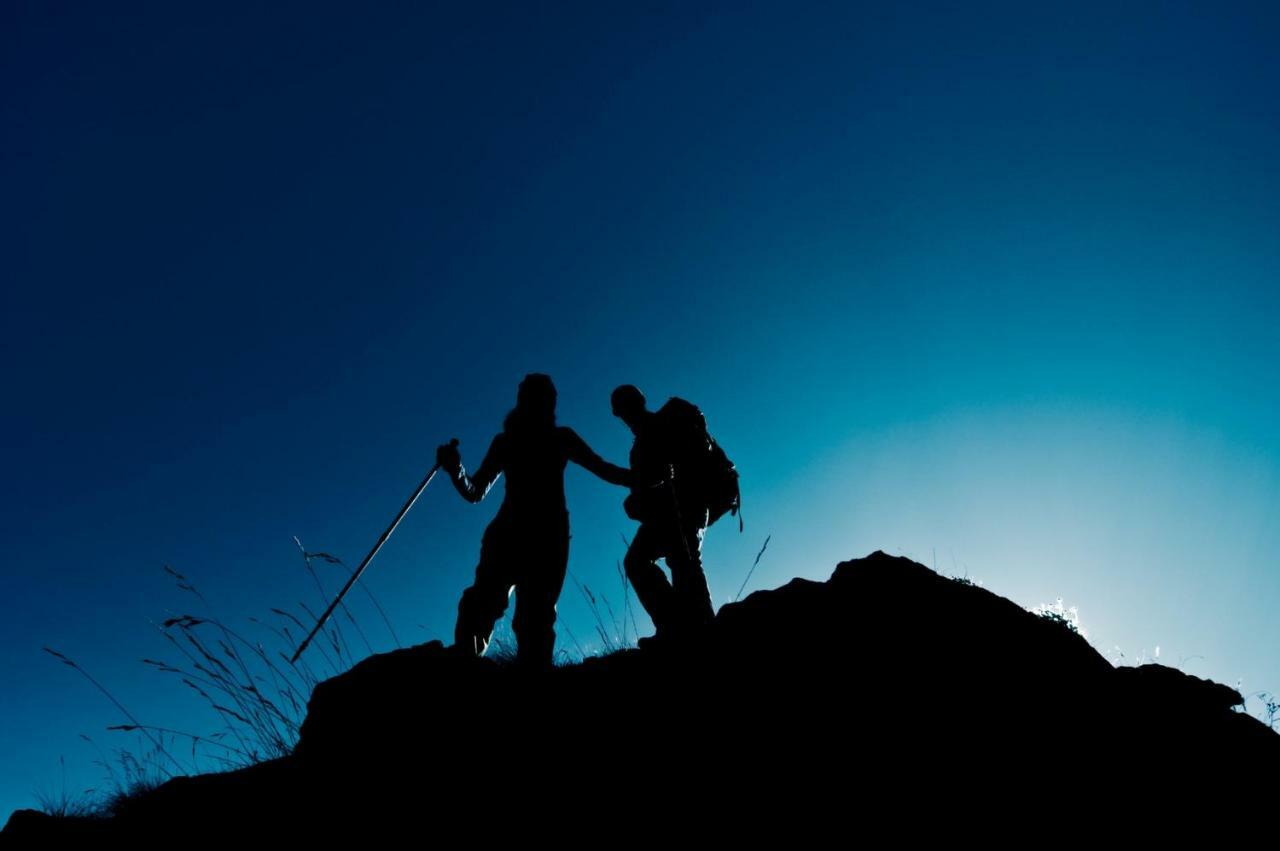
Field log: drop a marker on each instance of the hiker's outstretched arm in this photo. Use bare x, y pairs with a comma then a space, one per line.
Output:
473, 488
582, 455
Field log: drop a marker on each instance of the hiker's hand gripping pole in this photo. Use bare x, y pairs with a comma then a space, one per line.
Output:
413, 497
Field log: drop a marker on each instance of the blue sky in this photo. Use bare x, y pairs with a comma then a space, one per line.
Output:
989, 285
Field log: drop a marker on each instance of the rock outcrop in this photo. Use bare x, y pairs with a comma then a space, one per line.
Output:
881, 687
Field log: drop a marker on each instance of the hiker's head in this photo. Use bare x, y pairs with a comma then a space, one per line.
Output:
535, 404
628, 404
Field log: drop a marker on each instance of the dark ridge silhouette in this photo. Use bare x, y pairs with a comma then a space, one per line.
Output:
885, 689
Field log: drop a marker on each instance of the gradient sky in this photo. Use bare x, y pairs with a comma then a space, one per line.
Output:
990, 285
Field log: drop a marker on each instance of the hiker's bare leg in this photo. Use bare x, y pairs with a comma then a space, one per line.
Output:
651, 586
484, 602
689, 580
537, 590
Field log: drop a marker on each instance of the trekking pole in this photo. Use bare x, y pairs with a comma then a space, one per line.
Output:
373, 552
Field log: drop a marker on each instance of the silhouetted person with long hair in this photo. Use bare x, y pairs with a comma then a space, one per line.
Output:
527, 544
682, 483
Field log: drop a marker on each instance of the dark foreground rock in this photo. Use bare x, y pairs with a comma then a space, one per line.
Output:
882, 689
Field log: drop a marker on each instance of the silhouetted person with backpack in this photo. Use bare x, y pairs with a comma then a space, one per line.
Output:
527, 544
683, 482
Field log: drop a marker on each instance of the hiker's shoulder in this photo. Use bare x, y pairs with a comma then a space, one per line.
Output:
566, 436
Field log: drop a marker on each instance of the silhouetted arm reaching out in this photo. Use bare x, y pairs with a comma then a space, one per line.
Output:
579, 453
472, 488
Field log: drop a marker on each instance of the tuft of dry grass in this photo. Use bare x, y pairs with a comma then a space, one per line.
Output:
64, 804
256, 692
1269, 710
615, 633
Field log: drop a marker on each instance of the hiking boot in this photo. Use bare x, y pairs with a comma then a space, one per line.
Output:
673, 637
658, 641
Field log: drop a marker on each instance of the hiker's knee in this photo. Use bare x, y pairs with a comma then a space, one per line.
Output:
636, 563
534, 631
534, 613
534, 628
483, 602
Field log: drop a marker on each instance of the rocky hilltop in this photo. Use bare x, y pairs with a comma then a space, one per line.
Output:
882, 687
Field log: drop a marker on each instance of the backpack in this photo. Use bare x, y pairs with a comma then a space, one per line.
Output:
699, 460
